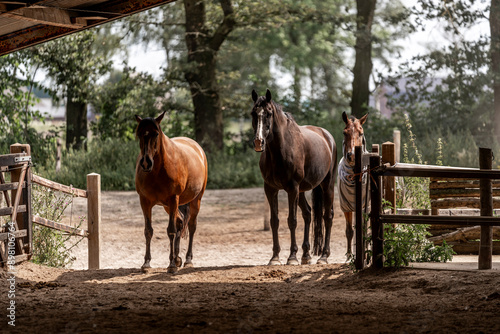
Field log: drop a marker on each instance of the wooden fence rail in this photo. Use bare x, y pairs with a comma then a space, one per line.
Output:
377, 218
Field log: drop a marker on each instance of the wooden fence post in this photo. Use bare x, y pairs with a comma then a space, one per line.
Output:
23, 219
377, 228
94, 219
486, 203
360, 232
389, 156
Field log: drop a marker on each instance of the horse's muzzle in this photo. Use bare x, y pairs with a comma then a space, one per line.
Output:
258, 145
146, 164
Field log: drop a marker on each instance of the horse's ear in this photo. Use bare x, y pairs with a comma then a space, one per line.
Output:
344, 117
254, 95
362, 120
268, 95
138, 118
159, 118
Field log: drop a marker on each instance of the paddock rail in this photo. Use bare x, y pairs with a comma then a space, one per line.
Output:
377, 170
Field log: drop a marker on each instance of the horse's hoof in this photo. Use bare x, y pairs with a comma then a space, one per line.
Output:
172, 270
306, 260
188, 265
322, 260
178, 262
274, 263
292, 262
146, 269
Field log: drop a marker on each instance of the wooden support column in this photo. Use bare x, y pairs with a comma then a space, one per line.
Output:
377, 227
360, 231
94, 219
486, 203
389, 156
375, 148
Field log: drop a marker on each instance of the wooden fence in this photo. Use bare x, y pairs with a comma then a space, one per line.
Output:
377, 170
20, 208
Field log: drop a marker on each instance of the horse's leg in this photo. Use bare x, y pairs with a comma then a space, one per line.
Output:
272, 198
194, 208
148, 232
349, 232
173, 234
328, 195
293, 199
306, 215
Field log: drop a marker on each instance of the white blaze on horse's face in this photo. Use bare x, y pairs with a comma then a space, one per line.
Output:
261, 119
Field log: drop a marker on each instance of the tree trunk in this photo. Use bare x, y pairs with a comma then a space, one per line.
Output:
495, 61
201, 71
76, 124
363, 65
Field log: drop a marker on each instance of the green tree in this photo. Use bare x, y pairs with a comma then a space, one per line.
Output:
75, 65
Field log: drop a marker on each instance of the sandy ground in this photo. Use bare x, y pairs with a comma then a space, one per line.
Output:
231, 290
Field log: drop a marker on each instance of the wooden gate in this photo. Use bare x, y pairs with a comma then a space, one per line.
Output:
16, 235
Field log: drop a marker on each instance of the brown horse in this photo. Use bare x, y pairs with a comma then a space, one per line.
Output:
171, 172
296, 159
353, 136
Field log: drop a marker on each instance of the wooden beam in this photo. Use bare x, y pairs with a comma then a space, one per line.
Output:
442, 220
44, 15
8, 211
17, 234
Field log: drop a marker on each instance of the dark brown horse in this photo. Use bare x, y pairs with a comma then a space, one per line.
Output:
296, 159
171, 173
353, 136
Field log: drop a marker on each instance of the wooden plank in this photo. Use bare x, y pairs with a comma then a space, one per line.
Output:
94, 219
463, 183
57, 186
472, 247
461, 203
11, 186
8, 211
463, 192
443, 220
59, 226
5, 193
17, 234
10, 159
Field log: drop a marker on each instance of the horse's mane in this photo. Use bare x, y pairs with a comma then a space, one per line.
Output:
261, 102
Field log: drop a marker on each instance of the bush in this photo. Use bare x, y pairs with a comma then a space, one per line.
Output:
113, 159
52, 247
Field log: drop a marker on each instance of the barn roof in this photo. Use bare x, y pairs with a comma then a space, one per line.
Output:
26, 23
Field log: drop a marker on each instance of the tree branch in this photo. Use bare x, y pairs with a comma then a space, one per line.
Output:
225, 28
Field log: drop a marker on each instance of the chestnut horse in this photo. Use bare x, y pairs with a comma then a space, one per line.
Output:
353, 136
295, 159
171, 172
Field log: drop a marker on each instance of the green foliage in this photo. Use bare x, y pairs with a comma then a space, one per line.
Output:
113, 159
52, 247
74, 63
407, 243
234, 170
129, 93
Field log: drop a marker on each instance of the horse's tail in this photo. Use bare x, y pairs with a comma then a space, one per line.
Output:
317, 202
184, 213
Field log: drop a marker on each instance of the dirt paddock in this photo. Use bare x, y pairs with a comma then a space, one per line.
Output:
231, 290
